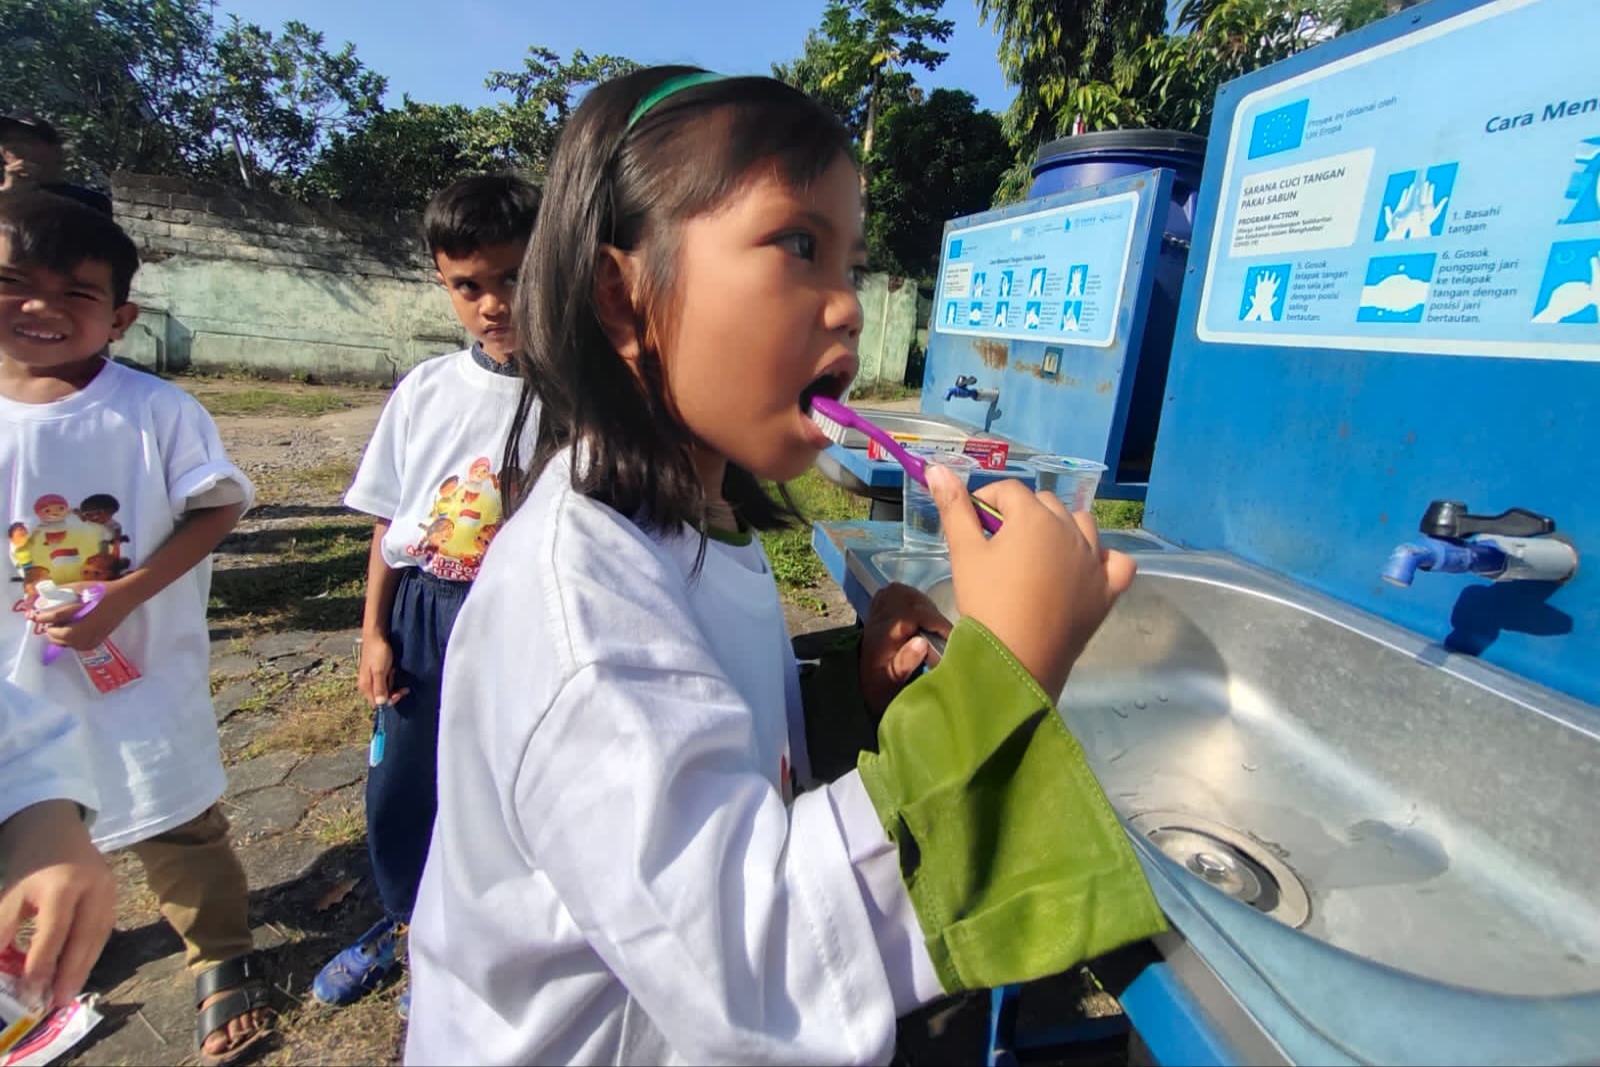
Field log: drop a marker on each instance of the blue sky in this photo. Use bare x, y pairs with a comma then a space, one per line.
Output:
440, 50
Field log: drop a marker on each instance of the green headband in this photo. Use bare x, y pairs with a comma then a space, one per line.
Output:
666, 89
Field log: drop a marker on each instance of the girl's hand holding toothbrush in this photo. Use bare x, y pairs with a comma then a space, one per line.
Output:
1042, 585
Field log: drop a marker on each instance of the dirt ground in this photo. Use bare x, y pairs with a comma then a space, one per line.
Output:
285, 610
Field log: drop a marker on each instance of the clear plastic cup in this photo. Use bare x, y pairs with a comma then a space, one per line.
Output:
1072, 481
922, 531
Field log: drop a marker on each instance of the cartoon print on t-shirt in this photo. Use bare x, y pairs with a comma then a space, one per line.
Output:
67, 544
463, 520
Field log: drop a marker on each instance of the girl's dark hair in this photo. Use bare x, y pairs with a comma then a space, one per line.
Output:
628, 187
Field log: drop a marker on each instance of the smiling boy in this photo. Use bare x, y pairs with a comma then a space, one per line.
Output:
75, 426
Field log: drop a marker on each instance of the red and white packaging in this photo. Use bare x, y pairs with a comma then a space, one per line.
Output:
990, 454
878, 452
107, 668
30, 1036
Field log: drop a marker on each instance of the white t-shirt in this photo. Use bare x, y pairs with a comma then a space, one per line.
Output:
44, 755
432, 466
617, 873
94, 484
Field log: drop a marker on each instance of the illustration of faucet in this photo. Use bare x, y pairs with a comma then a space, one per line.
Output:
964, 389
1512, 546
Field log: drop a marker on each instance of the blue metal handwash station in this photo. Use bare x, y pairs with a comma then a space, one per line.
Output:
1348, 710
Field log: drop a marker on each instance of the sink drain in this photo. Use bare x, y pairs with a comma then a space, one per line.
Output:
1224, 858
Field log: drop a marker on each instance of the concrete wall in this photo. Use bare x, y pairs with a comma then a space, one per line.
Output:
237, 281
255, 282
889, 325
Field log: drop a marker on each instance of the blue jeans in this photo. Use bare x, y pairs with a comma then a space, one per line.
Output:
402, 789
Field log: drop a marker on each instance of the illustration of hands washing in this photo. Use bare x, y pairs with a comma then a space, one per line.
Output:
1584, 190
1569, 298
1396, 293
1415, 214
1264, 296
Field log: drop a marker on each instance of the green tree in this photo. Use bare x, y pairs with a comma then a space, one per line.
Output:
1050, 47
417, 148
543, 94
280, 98
1173, 82
860, 61
809, 73
938, 159
1166, 80
420, 148
125, 81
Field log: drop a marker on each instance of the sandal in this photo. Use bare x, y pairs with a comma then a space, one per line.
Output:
243, 983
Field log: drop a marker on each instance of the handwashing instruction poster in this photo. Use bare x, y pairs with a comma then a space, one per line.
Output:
1056, 275
1437, 193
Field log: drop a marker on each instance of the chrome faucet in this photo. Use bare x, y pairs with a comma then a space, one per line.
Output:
1514, 545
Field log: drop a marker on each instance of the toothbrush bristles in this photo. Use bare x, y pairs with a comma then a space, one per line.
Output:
830, 427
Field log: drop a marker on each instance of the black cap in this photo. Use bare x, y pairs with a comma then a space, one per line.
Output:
32, 125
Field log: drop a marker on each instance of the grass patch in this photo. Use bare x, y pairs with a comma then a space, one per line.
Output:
1118, 514
368, 1031
312, 577
341, 825
300, 400
884, 391
323, 713
795, 566
302, 485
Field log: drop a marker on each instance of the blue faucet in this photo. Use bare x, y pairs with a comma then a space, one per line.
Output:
1449, 557
965, 391
1509, 546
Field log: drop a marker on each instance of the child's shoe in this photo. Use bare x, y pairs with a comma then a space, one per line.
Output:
358, 969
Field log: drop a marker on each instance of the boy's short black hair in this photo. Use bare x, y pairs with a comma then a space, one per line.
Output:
474, 213
50, 231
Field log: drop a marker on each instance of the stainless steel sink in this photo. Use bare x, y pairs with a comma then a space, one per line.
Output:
1408, 806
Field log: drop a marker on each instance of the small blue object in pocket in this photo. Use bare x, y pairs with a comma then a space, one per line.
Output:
937, 643
375, 750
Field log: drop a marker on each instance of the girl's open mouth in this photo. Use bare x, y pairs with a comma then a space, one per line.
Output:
831, 384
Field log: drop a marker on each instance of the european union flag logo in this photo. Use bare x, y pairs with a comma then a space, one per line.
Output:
1279, 130
955, 248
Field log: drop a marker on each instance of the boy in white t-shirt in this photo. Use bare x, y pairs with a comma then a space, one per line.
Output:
429, 478
118, 489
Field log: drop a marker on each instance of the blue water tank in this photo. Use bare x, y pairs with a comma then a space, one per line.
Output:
1092, 158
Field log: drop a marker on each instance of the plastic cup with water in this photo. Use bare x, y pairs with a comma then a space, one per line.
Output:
1071, 480
922, 530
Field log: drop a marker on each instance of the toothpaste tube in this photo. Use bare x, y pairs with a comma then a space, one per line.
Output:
107, 668
878, 452
990, 454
